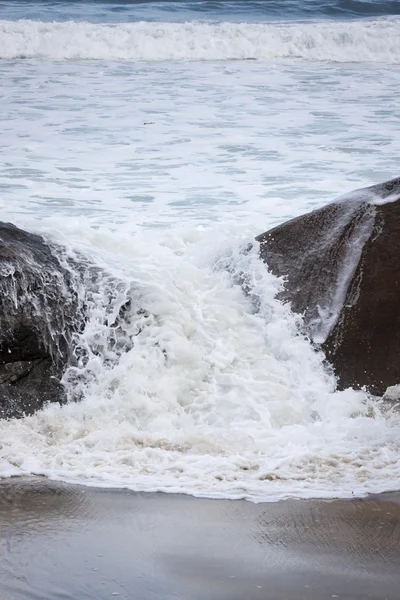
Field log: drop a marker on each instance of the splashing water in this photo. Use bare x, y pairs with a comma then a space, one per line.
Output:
373, 41
160, 170
217, 393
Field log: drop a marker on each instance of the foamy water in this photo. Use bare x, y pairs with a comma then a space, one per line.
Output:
160, 159
214, 398
369, 41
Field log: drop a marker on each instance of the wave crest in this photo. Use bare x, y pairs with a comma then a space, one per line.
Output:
368, 41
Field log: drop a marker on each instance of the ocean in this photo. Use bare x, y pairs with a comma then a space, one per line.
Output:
158, 139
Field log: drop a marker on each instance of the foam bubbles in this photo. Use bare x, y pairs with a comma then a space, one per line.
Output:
376, 41
219, 396
216, 393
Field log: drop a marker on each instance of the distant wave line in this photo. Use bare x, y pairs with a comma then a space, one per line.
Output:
375, 41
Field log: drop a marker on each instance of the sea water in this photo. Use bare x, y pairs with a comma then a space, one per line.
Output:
157, 139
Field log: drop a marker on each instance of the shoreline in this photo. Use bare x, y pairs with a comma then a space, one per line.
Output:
66, 541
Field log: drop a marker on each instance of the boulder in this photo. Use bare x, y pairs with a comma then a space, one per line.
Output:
60, 316
39, 313
341, 268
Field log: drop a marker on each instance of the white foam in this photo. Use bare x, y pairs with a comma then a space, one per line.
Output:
243, 408
366, 41
215, 398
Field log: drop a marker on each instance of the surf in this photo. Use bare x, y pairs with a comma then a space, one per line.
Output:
371, 41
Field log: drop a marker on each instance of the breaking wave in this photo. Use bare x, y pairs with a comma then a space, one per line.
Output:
376, 41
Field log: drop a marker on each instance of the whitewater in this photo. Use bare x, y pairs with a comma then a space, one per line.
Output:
153, 147
370, 41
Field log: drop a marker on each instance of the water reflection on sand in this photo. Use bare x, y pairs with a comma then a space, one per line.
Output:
59, 541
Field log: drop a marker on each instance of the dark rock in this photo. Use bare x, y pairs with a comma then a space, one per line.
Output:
39, 313
47, 298
342, 271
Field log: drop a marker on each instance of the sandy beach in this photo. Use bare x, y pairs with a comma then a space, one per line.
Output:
60, 541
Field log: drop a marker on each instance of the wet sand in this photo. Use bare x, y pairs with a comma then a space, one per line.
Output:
60, 542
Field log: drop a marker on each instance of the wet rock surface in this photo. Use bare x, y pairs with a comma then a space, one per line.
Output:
38, 314
48, 297
342, 271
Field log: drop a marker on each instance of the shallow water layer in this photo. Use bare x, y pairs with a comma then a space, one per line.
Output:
60, 541
139, 142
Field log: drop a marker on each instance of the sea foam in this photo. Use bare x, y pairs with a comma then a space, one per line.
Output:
366, 41
220, 394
